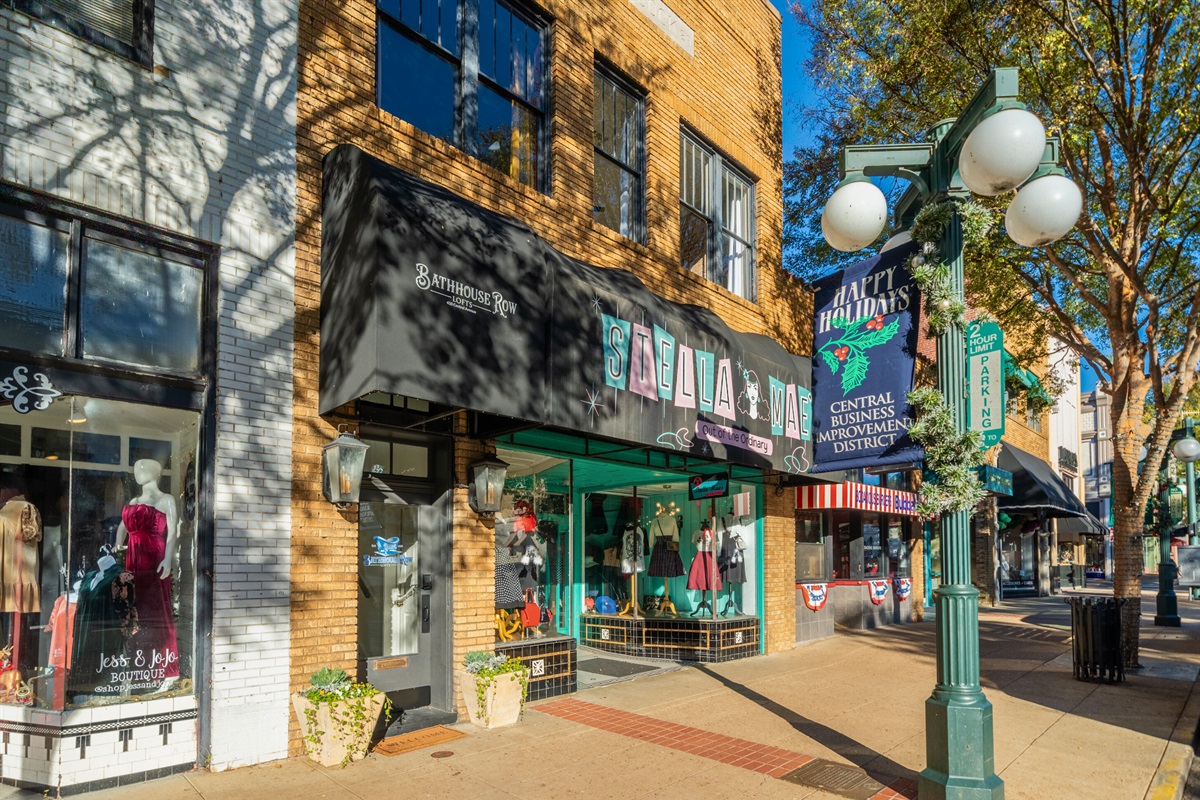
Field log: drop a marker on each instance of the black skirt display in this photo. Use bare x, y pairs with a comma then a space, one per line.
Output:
731, 561
664, 561
508, 580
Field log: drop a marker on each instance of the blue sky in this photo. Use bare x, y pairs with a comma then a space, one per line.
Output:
795, 86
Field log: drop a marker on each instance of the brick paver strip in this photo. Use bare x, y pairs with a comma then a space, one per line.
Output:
753, 756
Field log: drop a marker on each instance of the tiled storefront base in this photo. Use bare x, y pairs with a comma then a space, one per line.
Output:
675, 638
89, 749
551, 662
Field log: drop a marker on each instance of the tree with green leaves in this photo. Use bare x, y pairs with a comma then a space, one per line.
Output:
1119, 82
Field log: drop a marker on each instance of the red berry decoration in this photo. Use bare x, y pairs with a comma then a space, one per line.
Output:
841, 353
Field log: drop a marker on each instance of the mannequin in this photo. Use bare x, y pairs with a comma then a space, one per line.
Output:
20, 537
665, 562
731, 560
151, 525
633, 561
20, 532
703, 575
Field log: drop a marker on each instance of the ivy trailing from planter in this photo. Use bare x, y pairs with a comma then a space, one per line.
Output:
931, 274
486, 667
348, 703
950, 455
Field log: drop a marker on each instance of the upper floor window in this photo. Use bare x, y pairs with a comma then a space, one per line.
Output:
83, 287
716, 219
619, 142
124, 26
470, 72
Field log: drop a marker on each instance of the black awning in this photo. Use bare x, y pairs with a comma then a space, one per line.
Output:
1036, 487
428, 295
1088, 525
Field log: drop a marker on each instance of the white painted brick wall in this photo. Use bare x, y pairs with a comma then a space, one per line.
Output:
205, 147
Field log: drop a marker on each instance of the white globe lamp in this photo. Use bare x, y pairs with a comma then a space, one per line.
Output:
1043, 211
900, 239
1186, 451
854, 216
1002, 152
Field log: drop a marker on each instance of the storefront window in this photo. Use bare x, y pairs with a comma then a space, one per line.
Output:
874, 562
897, 547
98, 513
810, 547
843, 547
533, 549
1018, 559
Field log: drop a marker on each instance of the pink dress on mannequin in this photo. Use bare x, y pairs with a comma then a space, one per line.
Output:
147, 527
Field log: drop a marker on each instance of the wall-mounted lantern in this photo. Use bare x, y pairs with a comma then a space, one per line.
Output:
342, 468
487, 484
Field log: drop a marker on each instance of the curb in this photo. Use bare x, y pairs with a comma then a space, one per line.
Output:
1172, 775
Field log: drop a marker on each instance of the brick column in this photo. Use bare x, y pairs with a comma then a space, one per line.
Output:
473, 597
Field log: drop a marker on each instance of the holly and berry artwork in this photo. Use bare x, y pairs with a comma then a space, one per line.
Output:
847, 350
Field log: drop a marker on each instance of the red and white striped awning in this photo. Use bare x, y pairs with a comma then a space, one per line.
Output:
857, 495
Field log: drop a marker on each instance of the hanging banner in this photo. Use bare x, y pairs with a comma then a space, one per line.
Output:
815, 595
878, 591
864, 354
903, 588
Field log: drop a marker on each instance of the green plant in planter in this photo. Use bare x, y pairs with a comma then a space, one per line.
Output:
486, 667
349, 709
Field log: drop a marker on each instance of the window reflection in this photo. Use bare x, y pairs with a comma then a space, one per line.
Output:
33, 285
139, 308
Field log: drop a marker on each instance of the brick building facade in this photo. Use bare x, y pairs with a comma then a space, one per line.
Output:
148, 165
706, 71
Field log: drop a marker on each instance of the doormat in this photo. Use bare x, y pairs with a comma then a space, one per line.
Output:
613, 668
417, 740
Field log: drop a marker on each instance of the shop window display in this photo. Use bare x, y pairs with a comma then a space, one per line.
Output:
98, 519
532, 547
700, 554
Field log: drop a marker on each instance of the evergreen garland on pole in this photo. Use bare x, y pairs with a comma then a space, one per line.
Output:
952, 456
931, 274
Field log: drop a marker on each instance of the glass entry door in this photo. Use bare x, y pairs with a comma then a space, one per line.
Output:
403, 600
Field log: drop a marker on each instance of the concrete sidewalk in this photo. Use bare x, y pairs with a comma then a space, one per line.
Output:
856, 699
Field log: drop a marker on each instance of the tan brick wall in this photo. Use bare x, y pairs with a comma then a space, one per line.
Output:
729, 92
779, 569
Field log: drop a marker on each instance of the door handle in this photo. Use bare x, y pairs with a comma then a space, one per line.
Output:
424, 613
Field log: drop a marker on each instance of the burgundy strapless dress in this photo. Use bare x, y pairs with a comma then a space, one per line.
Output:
147, 527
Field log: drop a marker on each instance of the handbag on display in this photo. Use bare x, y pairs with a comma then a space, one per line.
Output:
531, 614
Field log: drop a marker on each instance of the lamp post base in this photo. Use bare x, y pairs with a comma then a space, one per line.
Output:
1166, 605
958, 748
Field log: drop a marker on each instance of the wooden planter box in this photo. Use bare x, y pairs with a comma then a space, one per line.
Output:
337, 743
502, 703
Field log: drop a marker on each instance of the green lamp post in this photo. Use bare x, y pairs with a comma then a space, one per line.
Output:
993, 147
1187, 450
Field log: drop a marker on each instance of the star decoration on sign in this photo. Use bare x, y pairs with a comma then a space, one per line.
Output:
596, 302
593, 403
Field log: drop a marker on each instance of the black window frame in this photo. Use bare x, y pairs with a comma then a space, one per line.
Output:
637, 214
719, 166
468, 78
140, 50
83, 224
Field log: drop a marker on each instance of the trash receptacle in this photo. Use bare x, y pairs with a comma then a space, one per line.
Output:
1096, 638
